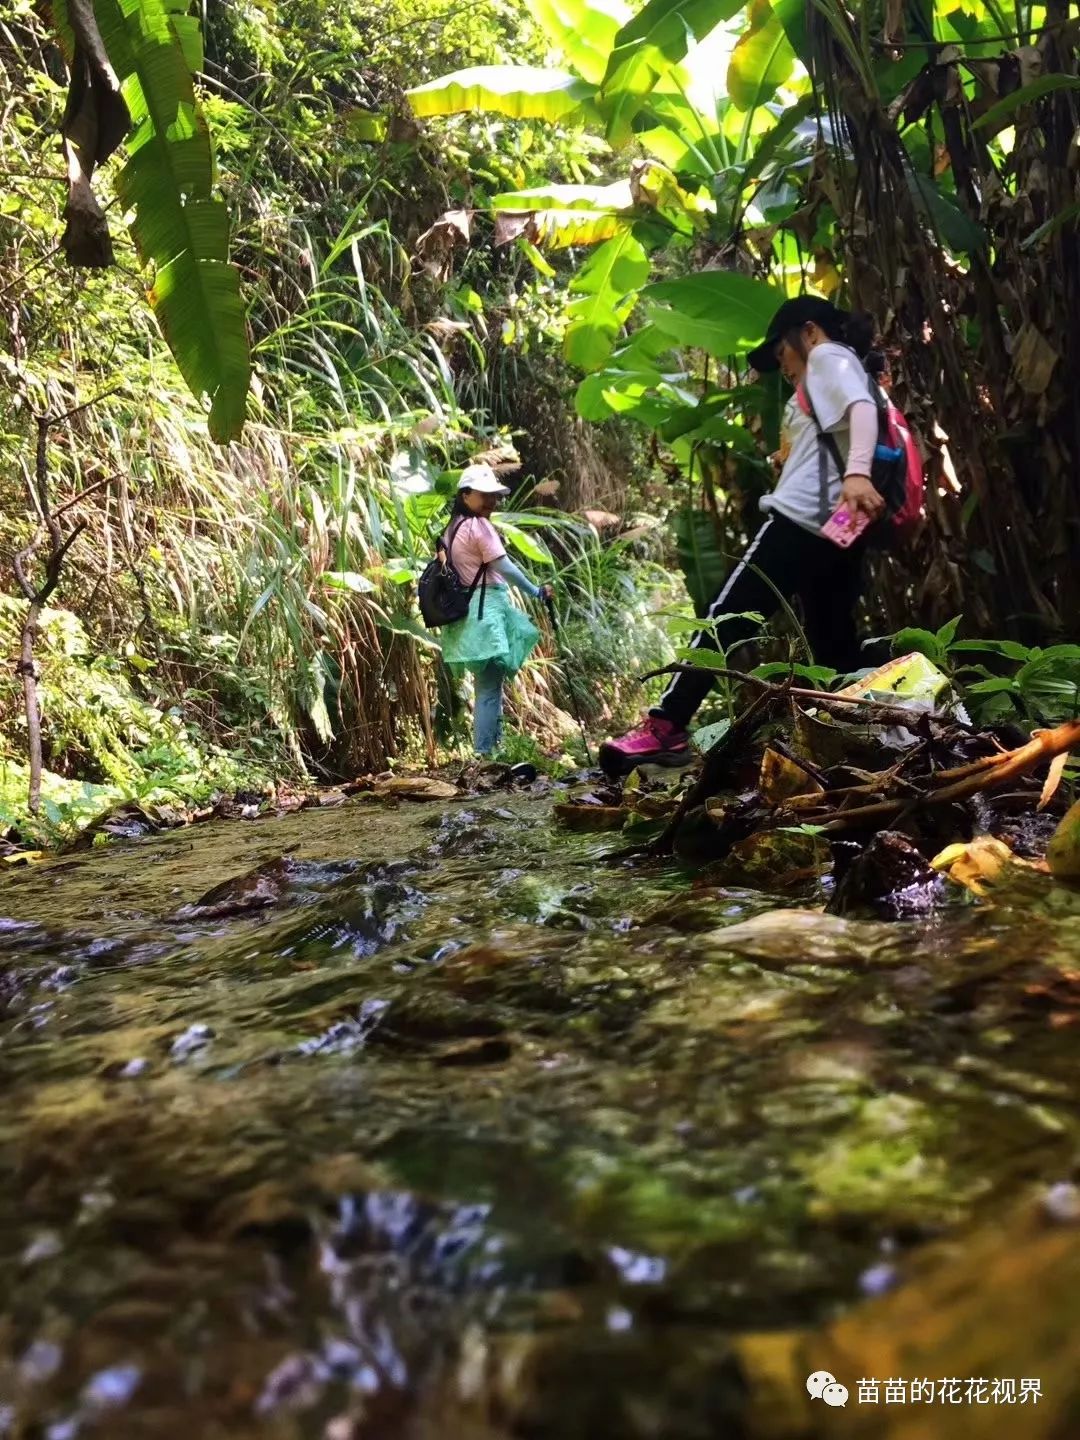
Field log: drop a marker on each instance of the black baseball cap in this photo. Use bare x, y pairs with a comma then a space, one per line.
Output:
793, 315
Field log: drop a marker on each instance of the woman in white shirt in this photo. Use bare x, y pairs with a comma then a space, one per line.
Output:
818, 348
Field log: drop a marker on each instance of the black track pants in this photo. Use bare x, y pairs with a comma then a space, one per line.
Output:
826, 579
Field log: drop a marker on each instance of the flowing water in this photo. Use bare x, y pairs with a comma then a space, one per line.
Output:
444, 1124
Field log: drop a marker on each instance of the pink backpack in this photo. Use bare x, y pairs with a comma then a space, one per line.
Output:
907, 519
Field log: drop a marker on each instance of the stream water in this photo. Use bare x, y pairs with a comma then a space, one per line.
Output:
446, 1125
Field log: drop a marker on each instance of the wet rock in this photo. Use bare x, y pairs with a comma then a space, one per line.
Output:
256, 890
270, 1210
476, 1052
1063, 851
40, 1362
195, 1037
420, 1016
112, 1388
296, 1384
581, 815
465, 832
346, 1036
887, 874
808, 937
954, 1316
1061, 1203
416, 787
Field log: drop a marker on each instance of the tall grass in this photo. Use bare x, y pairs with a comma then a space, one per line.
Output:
267, 588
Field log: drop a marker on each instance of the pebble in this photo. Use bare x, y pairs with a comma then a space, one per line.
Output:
878, 1279
43, 1247
193, 1038
40, 1362
111, 1388
1062, 1203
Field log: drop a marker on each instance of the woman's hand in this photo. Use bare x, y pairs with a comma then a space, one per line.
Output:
860, 496
547, 592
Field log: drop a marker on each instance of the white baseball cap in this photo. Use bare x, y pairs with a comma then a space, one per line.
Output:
483, 478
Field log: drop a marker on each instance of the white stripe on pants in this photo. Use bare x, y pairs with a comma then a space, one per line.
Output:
715, 608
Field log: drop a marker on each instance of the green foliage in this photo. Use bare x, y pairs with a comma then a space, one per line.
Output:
607, 285
1026, 684
646, 50
521, 92
1005, 109
584, 30
719, 311
763, 59
97, 727
178, 226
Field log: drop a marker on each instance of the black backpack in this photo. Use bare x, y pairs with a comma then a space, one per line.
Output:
443, 595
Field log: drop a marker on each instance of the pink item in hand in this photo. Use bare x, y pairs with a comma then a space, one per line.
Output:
843, 528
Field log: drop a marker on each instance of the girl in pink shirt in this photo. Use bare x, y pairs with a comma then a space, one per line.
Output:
495, 638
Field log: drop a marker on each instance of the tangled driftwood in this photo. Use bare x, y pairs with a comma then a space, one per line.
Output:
915, 783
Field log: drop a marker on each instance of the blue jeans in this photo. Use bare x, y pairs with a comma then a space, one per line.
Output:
487, 710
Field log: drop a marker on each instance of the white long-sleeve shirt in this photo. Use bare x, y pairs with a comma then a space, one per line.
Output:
837, 386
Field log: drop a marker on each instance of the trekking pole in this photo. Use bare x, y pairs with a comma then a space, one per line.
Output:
550, 603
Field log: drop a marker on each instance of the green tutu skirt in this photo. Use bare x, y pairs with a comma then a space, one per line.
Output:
505, 635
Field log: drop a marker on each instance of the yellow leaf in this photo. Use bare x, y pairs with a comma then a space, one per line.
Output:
1063, 852
781, 778
976, 865
24, 857
1053, 779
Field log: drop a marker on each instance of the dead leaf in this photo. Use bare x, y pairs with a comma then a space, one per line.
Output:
1031, 64
24, 857
915, 98
1053, 779
987, 72
1033, 360
96, 119
600, 519
510, 225
781, 778
435, 247
977, 865
416, 787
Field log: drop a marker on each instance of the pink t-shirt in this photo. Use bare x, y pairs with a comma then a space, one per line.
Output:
476, 541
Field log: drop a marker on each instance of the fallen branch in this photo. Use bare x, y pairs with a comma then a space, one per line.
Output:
1043, 746
824, 699
742, 729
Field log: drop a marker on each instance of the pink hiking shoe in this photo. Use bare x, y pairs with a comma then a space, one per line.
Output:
656, 741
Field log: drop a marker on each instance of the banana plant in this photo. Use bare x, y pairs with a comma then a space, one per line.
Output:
650, 78
131, 64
